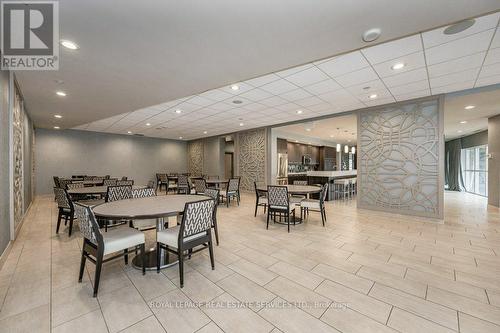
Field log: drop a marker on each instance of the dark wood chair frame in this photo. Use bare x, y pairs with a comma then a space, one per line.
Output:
274, 212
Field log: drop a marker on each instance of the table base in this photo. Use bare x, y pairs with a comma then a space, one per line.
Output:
298, 220
151, 260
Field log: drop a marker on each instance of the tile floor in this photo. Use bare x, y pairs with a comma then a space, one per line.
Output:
365, 272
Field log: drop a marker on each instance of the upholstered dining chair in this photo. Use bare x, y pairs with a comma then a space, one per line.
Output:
200, 185
214, 194
129, 182
183, 184
194, 230
260, 199
96, 245
63, 183
171, 184
114, 193
307, 205
279, 204
147, 224
161, 180
232, 191
66, 209
56, 181
110, 182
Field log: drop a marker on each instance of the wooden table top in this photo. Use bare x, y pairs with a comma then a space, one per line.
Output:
217, 181
295, 189
96, 189
145, 208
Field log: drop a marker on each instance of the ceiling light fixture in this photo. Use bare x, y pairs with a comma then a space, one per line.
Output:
69, 44
300, 111
463, 122
241, 124
296, 140
205, 132
148, 124
58, 116
235, 87
61, 93
128, 132
371, 35
237, 101
373, 96
459, 131
178, 111
338, 147
346, 149
331, 135
353, 150
459, 27
180, 138
398, 65
470, 107
56, 127
308, 129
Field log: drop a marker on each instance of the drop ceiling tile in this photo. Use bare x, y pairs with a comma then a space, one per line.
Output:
334, 96
487, 80
412, 61
201, 101
309, 101
392, 50
242, 88
457, 65
381, 101
256, 94
437, 37
496, 39
255, 107
307, 77
216, 95
187, 107
288, 107
459, 48
492, 57
406, 77
262, 80
274, 101
323, 87
357, 77
295, 95
366, 88
464, 76
293, 70
381, 93
490, 70
344, 64
453, 87
221, 106
320, 107
279, 87
409, 88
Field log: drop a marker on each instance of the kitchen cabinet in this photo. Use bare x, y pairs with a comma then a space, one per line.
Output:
327, 158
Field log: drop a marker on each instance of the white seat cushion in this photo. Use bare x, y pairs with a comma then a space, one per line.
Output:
296, 200
121, 238
225, 193
170, 236
262, 200
290, 208
144, 224
310, 203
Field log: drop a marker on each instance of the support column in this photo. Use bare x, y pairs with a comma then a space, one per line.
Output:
494, 161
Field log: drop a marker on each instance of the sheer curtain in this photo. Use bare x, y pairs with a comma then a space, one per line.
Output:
453, 165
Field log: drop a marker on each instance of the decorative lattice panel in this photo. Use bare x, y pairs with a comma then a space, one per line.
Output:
18, 131
399, 159
195, 158
252, 158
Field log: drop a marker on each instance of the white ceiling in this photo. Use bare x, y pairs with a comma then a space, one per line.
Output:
134, 54
435, 63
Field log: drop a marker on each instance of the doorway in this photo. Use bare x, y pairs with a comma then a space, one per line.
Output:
228, 165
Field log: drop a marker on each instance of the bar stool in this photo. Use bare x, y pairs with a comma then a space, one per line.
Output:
341, 188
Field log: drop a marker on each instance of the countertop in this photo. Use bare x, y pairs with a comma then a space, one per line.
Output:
304, 173
332, 174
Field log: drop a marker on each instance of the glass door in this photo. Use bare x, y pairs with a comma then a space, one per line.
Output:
475, 169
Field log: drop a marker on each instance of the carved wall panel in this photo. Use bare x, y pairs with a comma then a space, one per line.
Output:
252, 146
195, 157
18, 147
399, 163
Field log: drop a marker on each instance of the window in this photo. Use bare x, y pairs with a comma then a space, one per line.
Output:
475, 169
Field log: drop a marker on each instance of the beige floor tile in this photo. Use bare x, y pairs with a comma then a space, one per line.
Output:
409, 286
428, 310
470, 324
366, 260
347, 320
201, 264
34, 320
347, 279
177, 313
198, 288
494, 297
252, 271
298, 275
306, 299
148, 325
150, 285
226, 313
210, 328
420, 266
23, 298
72, 302
90, 322
246, 291
122, 308
256, 257
295, 259
478, 280
407, 322
291, 319
346, 297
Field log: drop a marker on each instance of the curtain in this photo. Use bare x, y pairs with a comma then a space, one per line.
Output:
453, 165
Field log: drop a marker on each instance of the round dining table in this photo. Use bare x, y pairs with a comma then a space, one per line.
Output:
295, 189
216, 182
89, 190
157, 207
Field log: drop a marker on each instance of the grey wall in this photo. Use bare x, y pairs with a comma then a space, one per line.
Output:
494, 161
4, 161
67, 152
213, 156
28, 138
474, 140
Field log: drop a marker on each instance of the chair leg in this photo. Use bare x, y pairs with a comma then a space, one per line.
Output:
72, 217
288, 221
181, 267
158, 257
82, 264
256, 206
268, 215
216, 232
143, 257
238, 198
190, 252
98, 266
125, 257
211, 251
59, 216
227, 200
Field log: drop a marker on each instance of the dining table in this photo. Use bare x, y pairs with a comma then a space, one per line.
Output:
156, 207
96, 190
216, 182
295, 189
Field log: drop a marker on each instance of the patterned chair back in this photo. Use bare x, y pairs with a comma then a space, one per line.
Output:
234, 185
143, 192
71, 186
118, 193
63, 183
212, 193
277, 197
56, 181
88, 224
88, 178
62, 198
300, 182
151, 184
200, 185
323, 193
182, 181
162, 177
98, 178
197, 218
110, 182
124, 178
129, 182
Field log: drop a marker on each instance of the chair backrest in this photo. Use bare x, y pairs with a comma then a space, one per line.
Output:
197, 218
88, 178
182, 181
151, 184
200, 185
300, 182
118, 192
143, 192
110, 182
124, 178
212, 193
71, 186
63, 183
129, 182
98, 178
89, 227
277, 197
323, 193
259, 193
62, 198
234, 185
162, 177
56, 181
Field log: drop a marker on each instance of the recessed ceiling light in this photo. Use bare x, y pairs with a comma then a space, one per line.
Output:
235, 87
241, 124
459, 131
308, 129
60, 93
459, 27
398, 65
470, 107
148, 124
128, 132
308, 143
300, 111
463, 122
180, 138
205, 132
56, 127
371, 35
178, 111
237, 101
69, 44
373, 96
296, 140
331, 135
58, 116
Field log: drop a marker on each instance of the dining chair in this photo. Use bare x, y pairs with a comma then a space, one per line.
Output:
110, 182
183, 184
200, 185
232, 191
125, 182
171, 184
66, 209
260, 199
72, 186
63, 183
144, 224
96, 245
56, 181
279, 204
161, 180
307, 205
118, 192
194, 230
214, 194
